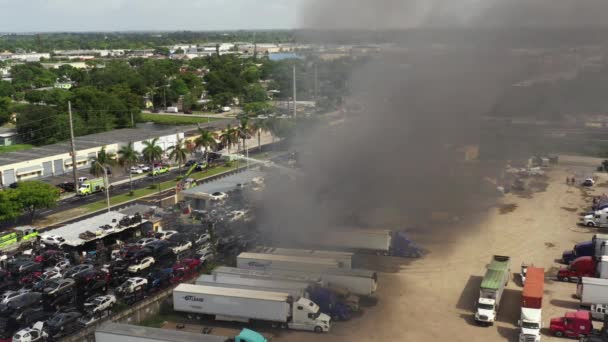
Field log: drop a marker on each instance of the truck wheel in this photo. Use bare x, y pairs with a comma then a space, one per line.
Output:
559, 334
590, 224
318, 330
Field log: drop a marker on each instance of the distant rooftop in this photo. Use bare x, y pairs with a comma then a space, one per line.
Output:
71, 232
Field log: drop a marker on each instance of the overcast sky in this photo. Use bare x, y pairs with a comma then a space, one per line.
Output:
120, 15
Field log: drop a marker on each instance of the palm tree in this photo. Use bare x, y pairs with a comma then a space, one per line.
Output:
244, 130
206, 140
178, 153
259, 126
128, 156
103, 160
152, 152
229, 137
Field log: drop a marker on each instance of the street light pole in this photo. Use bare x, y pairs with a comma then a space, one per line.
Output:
105, 183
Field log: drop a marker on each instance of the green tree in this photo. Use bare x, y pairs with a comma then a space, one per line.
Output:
229, 137
258, 108
103, 160
178, 152
127, 157
258, 126
34, 195
10, 208
255, 93
206, 139
5, 113
244, 131
152, 152
6, 89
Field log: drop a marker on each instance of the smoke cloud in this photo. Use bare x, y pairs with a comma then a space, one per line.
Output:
403, 156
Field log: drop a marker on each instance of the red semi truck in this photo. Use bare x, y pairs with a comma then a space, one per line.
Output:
574, 324
581, 267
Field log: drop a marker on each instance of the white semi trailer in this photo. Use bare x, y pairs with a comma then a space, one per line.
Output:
250, 306
346, 258
358, 281
264, 262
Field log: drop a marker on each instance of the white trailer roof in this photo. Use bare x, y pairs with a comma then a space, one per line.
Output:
594, 281
289, 275
124, 332
279, 285
290, 258
232, 292
303, 252
72, 231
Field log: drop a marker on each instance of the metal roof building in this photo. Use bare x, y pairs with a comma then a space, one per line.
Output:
55, 159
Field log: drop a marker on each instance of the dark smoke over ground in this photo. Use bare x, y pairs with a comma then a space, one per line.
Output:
402, 157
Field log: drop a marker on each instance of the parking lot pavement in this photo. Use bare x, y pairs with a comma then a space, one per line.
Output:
432, 299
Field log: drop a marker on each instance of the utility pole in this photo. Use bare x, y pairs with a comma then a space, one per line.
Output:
132, 120
316, 82
295, 113
74, 171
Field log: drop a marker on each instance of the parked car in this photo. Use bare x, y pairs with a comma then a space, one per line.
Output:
180, 246
160, 170
99, 304
34, 334
57, 287
132, 285
159, 249
11, 295
49, 275
145, 241
141, 265
588, 182
21, 302
218, 196
62, 265
26, 267
190, 163
144, 167
165, 234
158, 279
63, 322
42, 284
33, 315
205, 255
52, 240
74, 270
136, 170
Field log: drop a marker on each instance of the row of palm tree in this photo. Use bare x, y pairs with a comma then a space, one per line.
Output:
152, 152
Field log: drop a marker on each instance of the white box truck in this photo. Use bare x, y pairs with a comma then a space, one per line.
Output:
346, 258
592, 291
250, 306
262, 262
492, 286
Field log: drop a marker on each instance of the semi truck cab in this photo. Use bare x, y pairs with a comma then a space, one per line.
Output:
580, 267
486, 310
307, 316
574, 324
584, 248
530, 324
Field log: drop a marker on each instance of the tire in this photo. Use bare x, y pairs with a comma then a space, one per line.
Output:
558, 334
590, 224
560, 278
318, 330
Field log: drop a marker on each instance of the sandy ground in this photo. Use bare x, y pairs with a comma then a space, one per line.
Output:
432, 299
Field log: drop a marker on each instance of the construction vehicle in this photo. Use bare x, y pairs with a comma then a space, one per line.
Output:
92, 186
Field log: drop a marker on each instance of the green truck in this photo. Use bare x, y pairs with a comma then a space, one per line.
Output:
17, 237
493, 284
91, 186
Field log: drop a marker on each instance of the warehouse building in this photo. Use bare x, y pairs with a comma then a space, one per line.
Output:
56, 159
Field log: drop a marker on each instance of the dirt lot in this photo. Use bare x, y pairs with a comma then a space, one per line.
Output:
432, 299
